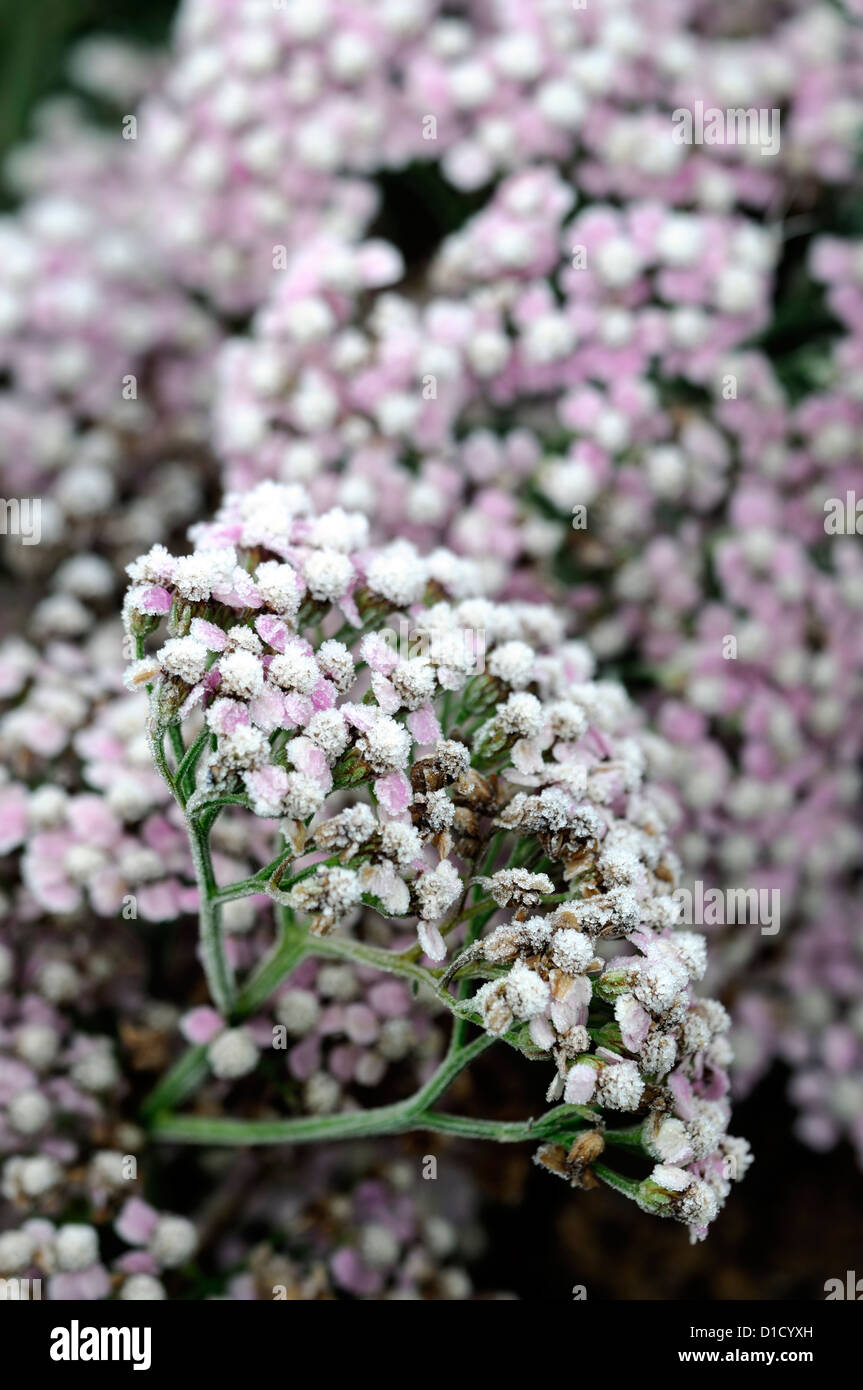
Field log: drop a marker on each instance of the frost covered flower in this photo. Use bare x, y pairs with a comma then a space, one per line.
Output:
382, 808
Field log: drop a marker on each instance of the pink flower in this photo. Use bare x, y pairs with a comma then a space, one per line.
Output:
136, 1222
201, 1025
394, 792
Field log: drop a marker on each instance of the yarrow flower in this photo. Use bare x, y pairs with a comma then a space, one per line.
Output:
391, 785
357, 736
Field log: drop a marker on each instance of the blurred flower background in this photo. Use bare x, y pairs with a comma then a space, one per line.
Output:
465, 272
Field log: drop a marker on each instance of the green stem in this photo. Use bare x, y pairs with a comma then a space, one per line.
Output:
179, 748
184, 1077
628, 1186
292, 947
357, 1124
454, 1062
189, 762
257, 883
399, 1118
215, 962
628, 1138
157, 747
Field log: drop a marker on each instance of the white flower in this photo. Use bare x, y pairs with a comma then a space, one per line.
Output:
337, 664
401, 843
619, 1086
527, 993
328, 574
437, 889
196, 576
571, 950
303, 797
339, 530
28, 1112
549, 338
30, 1177
232, 1054
184, 657
174, 1241
279, 587
397, 572
295, 670
142, 1287
76, 1247
327, 728
386, 747
17, 1249
298, 1010
513, 663
242, 674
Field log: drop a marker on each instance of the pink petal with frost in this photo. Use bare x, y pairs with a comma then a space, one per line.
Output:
580, 1084
385, 693
349, 608
431, 940
298, 710
634, 1026
213, 638
378, 653
267, 710
541, 1032
424, 726
308, 758
684, 1100
192, 700
361, 717
272, 631
394, 793
153, 599
267, 787
227, 715
323, 695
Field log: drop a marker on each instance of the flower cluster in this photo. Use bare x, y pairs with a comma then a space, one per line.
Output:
341, 1028
489, 328
393, 773
744, 611
362, 1231
105, 357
